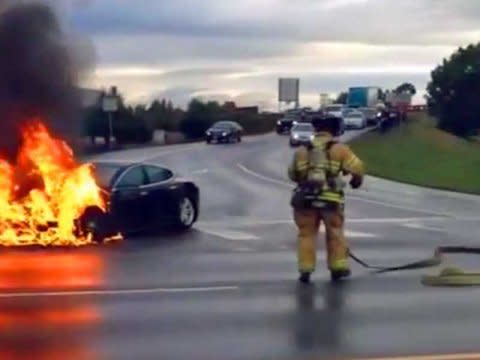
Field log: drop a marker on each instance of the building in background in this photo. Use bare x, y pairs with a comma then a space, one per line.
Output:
231, 107
325, 100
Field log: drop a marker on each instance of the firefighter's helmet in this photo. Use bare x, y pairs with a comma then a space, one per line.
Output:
327, 122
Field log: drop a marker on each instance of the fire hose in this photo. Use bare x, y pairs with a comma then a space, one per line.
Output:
450, 276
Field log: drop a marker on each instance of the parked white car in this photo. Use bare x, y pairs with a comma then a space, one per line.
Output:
355, 120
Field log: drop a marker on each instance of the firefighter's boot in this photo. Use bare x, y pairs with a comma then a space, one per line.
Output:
304, 277
337, 275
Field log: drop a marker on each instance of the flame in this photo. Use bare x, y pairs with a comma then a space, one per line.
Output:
43, 194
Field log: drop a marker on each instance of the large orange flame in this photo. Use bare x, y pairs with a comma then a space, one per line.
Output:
43, 194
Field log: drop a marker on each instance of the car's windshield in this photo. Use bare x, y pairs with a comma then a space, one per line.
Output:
303, 127
333, 108
222, 125
104, 173
355, 115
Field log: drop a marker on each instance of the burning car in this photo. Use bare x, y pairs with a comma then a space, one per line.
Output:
47, 198
45, 192
140, 196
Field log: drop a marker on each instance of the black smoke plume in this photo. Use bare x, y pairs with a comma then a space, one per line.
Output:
38, 75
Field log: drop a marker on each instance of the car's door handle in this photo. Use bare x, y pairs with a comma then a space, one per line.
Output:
143, 193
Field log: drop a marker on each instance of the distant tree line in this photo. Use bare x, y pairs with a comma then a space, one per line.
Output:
131, 124
137, 124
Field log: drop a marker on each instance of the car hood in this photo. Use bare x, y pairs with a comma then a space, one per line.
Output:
302, 133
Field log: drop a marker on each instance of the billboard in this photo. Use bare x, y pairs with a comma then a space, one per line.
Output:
288, 89
110, 103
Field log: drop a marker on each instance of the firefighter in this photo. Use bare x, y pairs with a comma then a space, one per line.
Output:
319, 197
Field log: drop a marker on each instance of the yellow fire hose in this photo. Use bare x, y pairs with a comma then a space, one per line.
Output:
449, 276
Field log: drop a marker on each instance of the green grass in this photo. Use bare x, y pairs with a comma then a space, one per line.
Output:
418, 153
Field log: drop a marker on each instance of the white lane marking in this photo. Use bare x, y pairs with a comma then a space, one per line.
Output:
244, 249
118, 292
399, 207
355, 234
414, 225
431, 357
239, 235
353, 197
227, 234
111, 157
163, 151
350, 220
266, 178
393, 220
201, 171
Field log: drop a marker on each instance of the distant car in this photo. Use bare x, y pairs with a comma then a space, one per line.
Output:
302, 134
355, 120
371, 115
224, 131
140, 197
337, 110
285, 124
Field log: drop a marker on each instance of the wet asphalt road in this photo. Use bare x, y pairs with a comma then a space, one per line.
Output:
227, 289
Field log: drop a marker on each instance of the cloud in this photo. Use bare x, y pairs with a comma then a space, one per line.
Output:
180, 96
372, 21
183, 48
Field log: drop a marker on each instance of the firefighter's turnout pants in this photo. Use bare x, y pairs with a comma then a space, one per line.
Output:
308, 222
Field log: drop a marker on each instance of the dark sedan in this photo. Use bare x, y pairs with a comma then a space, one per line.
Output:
285, 124
140, 197
224, 131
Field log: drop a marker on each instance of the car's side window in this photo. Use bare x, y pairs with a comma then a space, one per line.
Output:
157, 174
133, 177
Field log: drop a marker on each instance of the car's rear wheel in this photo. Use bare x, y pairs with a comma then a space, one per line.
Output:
187, 213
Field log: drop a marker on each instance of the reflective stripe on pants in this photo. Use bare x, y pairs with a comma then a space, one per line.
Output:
308, 222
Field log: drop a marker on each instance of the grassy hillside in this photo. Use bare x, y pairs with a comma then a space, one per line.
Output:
418, 153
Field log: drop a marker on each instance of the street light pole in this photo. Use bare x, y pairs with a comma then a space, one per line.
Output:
110, 128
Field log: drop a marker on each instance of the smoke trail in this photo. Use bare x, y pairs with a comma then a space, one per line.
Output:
38, 73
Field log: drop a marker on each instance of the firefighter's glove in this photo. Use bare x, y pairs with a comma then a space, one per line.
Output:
356, 182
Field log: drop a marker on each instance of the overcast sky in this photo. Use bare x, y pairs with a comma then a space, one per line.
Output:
231, 49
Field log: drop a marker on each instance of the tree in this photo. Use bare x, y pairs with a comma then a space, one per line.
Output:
406, 88
95, 123
342, 98
199, 118
383, 94
453, 92
163, 115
